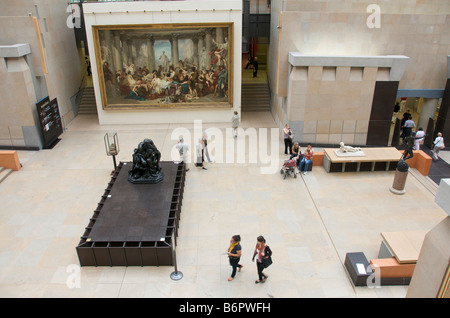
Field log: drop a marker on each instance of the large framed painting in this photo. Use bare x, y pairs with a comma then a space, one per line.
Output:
165, 65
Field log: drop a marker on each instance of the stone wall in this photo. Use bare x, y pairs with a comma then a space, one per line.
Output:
415, 29
51, 68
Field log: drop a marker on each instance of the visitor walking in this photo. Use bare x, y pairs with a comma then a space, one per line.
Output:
183, 149
234, 255
263, 256
235, 123
205, 146
408, 127
200, 154
255, 66
438, 145
420, 136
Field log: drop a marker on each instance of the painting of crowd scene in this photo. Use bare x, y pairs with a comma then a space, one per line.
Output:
165, 66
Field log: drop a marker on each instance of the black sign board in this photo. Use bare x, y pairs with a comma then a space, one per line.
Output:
50, 120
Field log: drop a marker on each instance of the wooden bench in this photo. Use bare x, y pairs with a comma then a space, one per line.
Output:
390, 268
421, 161
374, 159
9, 159
317, 159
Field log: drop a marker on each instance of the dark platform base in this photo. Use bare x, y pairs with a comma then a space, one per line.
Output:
351, 259
135, 224
152, 179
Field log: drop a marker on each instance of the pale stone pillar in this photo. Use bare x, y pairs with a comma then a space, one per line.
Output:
195, 53
428, 110
174, 40
201, 44
150, 53
107, 44
116, 51
130, 52
208, 47
219, 35
124, 50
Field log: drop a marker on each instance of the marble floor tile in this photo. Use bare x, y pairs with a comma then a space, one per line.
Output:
310, 222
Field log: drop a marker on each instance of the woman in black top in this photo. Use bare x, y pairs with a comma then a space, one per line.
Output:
234, 254
263, 252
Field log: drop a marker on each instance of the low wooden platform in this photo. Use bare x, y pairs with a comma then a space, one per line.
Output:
375, 159
135, 224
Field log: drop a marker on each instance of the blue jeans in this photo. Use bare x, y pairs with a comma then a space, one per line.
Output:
306, 162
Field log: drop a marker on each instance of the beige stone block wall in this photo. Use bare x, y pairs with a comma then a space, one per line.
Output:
63, 63
17, 101
60, 55
332, 110
20, 29
414, 28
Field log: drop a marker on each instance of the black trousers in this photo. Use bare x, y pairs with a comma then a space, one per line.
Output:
260, 268
287, 145
234, 262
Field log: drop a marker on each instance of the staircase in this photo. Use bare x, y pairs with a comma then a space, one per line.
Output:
4, 173
88, 104
429, 184
255, 97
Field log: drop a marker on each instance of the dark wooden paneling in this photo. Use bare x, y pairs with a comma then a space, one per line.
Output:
381, 115
443, 119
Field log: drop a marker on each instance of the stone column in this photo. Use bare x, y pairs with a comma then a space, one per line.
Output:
117, 56
174, 41
208, 47
201, 45
124, 49
195, 48
130, 52
219, 35
428, 110
136, 48
150, 52
107, 47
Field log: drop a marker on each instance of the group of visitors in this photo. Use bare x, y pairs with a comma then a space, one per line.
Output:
407, 130
262, 254
407, 125
201, 149
303, 160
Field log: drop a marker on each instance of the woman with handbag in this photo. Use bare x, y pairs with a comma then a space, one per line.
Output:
263, 260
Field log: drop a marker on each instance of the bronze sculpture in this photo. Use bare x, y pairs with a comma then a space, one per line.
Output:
410, 141
146, 168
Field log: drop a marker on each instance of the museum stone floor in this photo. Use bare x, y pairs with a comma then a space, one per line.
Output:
310, 222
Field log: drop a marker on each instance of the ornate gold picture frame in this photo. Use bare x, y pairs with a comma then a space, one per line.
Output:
165, 65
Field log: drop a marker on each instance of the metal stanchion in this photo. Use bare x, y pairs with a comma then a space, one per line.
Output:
175, 275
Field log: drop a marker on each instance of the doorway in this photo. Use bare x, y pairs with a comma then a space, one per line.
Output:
414, 106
